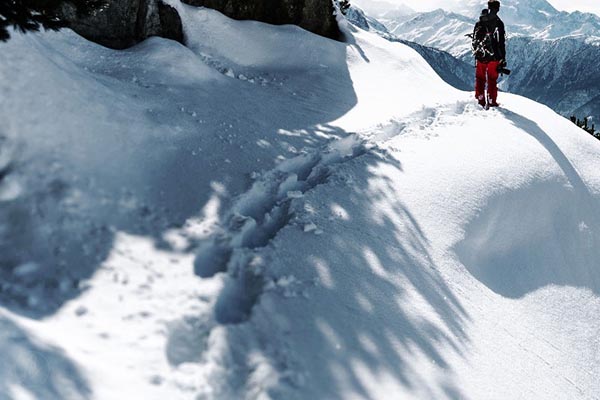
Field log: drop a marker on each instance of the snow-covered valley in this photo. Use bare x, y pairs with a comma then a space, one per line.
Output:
268, 214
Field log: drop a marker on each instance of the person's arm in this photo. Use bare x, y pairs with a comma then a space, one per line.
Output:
502, 40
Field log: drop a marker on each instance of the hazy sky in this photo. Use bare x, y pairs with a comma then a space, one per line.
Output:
567, 5
581, 5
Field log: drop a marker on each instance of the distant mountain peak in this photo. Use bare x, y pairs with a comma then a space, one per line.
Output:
526, 6
379, 8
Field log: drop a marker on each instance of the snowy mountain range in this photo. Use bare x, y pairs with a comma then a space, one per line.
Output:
452, 70
542, 45
560, 73
538, 18
446, 29
267, 214
441, 29
383, 9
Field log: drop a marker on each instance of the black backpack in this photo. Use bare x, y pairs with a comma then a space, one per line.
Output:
482, 40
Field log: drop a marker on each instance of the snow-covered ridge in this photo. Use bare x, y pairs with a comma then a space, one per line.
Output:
453, 71
235, 220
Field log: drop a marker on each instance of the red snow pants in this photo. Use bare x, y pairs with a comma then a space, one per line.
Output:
486, 72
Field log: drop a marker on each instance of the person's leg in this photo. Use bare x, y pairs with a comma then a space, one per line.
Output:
492, 80
480, 78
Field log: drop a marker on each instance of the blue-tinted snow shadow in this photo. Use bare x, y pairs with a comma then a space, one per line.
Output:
31, 369
157, 192
361, 277
60, 225
73, 200
546, 233
354, 299
369, 323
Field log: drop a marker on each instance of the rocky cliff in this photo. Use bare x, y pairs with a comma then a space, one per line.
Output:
316, 16
122, 24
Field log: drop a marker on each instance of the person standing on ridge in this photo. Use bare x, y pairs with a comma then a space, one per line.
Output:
490, 52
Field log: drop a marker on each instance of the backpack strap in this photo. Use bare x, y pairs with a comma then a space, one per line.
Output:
481, 45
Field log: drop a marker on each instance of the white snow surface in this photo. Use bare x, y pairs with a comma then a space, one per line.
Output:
267, 214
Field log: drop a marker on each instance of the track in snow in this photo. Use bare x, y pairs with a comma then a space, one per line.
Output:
256, 218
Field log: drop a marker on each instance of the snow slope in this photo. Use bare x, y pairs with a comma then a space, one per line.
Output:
235, 220
452, 70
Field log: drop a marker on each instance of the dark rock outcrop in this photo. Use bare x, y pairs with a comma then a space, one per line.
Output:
316, 16
124, 23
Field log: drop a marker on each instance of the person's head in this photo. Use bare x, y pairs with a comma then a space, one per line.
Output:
494, 5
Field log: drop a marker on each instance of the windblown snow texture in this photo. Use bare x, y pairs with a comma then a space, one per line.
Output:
250, 222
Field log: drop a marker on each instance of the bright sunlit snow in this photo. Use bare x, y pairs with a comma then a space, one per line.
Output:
268, 214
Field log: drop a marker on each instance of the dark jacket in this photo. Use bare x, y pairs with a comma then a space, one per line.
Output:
493, 25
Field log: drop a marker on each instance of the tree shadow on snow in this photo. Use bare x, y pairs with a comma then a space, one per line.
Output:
64, 225
30, 369
365, 325
61, 224
351, 309
63, 206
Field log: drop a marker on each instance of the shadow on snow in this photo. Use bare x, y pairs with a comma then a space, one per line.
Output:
539, 235
56, 233
30, 369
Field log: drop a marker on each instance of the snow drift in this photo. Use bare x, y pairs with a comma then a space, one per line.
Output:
270, 214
